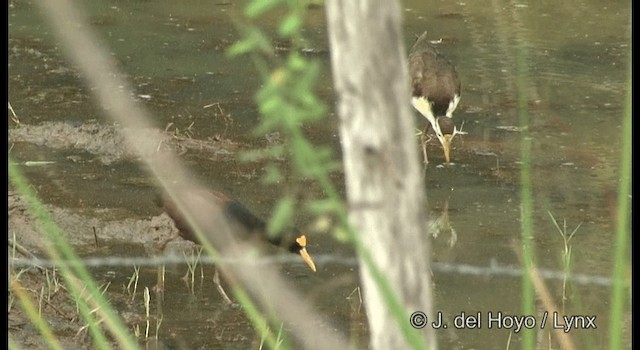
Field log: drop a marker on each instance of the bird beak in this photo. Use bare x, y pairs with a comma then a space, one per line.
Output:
446, 145
307, 258
302, 241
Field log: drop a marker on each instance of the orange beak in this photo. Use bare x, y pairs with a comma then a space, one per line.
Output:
446, 145
302, 241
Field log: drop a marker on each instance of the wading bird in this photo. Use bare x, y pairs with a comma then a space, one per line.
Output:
242, 222
435, 92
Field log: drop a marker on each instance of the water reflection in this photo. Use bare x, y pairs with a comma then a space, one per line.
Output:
441, 224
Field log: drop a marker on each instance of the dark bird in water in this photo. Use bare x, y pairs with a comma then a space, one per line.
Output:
241, 221
435, 92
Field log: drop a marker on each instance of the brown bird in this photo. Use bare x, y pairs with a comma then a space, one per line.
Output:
241, 221
435, 92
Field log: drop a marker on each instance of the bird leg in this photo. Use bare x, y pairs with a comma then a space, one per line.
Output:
159, 287
216, 280
423, 141
160, 246
424, 150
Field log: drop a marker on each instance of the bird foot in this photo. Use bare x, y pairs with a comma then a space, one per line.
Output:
457, 131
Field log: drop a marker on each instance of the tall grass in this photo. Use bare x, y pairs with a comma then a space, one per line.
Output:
532, 285
526, 194
94, 309
621, 282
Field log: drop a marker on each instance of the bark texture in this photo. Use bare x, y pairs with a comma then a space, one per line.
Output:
382, 168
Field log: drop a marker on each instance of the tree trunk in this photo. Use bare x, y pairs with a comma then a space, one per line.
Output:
382, 168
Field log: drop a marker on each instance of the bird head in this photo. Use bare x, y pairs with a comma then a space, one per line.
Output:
299, 246
445, 131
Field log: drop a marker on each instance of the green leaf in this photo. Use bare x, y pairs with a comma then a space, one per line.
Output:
290, 25
241, 47
297, 63
281, 217
254, 40
272, 175
341, 235
322, 206
257, 7
310, 74
272, 105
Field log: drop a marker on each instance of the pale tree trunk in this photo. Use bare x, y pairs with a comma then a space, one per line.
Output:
382, 168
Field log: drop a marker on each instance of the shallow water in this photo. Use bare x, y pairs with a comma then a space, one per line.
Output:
577, 55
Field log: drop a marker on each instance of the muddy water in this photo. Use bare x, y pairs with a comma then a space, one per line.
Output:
577, 54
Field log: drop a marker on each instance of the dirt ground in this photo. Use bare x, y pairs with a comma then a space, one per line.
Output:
55, 304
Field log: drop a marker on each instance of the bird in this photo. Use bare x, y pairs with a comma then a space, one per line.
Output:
435, 92
241, 222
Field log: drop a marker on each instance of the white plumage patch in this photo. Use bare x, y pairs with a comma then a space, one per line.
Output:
424, 107
452, 105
